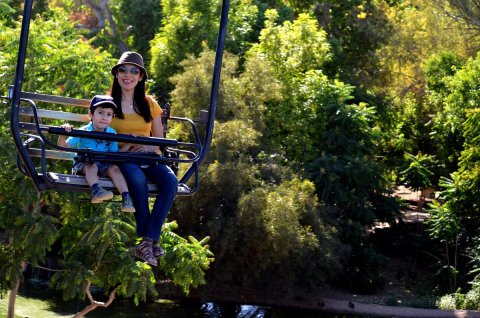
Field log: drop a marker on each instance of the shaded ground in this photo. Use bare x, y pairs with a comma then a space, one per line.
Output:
407, 277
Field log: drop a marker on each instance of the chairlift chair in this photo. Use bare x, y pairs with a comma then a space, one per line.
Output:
32, 130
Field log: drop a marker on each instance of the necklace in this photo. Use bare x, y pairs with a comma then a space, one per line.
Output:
128, 105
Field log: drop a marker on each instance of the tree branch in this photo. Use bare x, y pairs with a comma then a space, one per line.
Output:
98, 13
93, 303
468, 11
103, 14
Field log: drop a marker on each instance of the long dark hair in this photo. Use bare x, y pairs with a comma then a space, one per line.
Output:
140, 99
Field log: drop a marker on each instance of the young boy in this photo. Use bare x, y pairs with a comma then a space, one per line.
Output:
101, 112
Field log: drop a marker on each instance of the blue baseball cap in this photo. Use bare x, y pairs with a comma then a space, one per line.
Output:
105, 100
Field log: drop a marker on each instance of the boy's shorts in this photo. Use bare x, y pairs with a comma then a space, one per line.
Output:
102, 167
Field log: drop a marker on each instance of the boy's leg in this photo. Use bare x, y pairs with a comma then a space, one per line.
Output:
91, 174
99, 194
114, 173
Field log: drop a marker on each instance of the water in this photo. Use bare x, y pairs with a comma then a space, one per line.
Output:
34, 308
36, 300
29, 307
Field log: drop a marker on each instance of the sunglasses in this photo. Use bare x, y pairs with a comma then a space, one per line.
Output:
133, 70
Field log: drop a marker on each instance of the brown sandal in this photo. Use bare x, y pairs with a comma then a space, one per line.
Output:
158, 251
144, 251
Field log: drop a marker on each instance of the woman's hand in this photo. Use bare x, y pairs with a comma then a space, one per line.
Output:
143, 148
139, 148
125, 147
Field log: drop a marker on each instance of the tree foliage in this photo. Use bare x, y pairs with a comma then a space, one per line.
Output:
140, 24
468, 11
59, 60
417, 174
315, 99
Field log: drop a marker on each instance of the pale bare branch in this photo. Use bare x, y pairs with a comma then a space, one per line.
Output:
103, 14
93, 303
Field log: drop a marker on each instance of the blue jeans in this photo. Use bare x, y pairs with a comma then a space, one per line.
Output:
149, 225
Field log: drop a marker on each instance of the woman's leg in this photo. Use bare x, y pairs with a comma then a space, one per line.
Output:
167, 183
137, 184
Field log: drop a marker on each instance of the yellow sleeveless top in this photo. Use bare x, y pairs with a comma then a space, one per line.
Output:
134, 124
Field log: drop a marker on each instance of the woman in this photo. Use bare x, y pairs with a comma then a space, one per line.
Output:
140, 115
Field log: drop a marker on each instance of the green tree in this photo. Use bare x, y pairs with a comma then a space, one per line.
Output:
454, 221
417, 175
59, 60
356, 29
445, 226
468, 11
454, 98
187, 26
6, 10
419, 32
288, 235
239, 169
97, 252
140, 22
295, 52
425, 49
192, 87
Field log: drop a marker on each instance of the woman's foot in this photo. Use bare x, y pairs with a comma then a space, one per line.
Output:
158, 251
144, 250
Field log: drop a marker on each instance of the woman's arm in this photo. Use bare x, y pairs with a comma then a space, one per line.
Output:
157, 131
157, 127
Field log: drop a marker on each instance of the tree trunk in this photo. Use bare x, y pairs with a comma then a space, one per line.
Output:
13, 295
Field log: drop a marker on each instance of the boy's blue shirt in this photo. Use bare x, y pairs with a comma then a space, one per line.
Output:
93, 144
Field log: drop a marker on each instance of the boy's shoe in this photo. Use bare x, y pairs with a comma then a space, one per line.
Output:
158, 251
127, 204
100, 194
144, 252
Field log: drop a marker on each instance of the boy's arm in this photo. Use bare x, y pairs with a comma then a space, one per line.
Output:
114, 144
113, 147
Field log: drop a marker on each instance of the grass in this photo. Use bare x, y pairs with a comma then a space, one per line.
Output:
32, 308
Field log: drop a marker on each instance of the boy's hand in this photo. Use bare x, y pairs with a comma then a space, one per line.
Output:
67, 127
